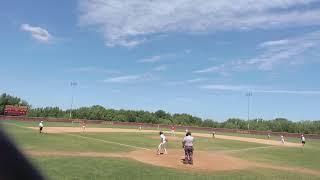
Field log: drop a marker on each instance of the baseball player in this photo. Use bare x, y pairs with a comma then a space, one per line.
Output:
303, 140
282, 139
187, 130
213, 134
269, 136
83, 125
173, 129
40, 126
187, 144
162, 145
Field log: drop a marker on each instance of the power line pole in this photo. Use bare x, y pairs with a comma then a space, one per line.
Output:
73, 85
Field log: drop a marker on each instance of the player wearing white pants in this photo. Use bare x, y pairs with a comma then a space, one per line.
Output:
282, 139
162, 145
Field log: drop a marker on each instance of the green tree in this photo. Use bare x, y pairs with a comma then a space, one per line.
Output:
6, 99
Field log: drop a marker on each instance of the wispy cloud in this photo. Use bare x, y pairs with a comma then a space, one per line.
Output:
37, 33
130, 78
131, 22
217, 69
257, 89
152, 59
92, 69
196, 80
289, 92
273, 53
156, 58
161, 68
223, 87
165, 57
275, 43
126, 43
185, 82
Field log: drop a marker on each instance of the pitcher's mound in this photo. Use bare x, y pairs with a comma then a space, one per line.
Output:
203, 161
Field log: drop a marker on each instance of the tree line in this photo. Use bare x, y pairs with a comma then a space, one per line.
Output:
98, 112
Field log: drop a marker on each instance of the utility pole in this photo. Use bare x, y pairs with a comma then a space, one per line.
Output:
73, 85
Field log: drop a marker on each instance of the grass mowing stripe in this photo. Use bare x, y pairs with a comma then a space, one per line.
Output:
96, 139
14, 125
248, 149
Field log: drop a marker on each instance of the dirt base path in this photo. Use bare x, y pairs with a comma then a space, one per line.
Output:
203, 161
105, 130
253, 140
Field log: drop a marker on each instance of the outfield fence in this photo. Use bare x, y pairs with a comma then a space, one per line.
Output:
160, 126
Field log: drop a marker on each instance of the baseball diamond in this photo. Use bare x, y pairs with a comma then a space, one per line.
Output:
111, 146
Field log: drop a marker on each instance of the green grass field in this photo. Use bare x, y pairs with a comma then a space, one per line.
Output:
58, 167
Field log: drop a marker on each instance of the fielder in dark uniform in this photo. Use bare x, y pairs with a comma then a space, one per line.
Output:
187, 144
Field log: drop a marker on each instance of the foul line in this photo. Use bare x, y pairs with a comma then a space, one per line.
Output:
106, 141
85, 137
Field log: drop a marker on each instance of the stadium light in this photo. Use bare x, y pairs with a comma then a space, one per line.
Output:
73, 85
248, 94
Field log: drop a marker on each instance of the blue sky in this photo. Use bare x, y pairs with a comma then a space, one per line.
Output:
193, 56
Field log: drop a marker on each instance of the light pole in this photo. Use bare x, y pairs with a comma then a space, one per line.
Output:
73, 85
248, 94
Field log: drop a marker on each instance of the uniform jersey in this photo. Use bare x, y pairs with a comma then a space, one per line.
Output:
188, 141
41, 124
303, 138
163, 138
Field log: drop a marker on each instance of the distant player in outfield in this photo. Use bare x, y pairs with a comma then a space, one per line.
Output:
282, 139
187, 144
173, 130
163, 144
40, 126
83, 125
303, 140
269, 136
213, 134
187, 130
140, 128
